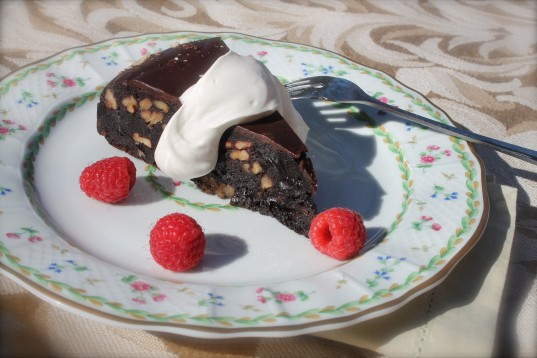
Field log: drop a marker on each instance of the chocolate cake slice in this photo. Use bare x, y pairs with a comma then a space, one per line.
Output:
262, 165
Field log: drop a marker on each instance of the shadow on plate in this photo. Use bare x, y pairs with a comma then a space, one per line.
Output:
341, 157
143, 192
221, 250
374, 236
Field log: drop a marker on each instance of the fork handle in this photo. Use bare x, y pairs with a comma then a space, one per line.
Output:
526, 154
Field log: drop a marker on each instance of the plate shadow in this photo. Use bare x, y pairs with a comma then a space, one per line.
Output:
341, 158
221, 250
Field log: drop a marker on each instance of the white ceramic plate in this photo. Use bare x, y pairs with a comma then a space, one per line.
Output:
421, 194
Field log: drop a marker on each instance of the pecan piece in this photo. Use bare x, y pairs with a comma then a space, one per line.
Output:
152, 118
266, 182
239, 154
139, 139
256, 168
145, 104
224, 191
241, 144
109, 99
162, 106
130, 103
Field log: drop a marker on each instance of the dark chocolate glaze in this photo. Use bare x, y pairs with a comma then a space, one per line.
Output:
173, 71
275, 129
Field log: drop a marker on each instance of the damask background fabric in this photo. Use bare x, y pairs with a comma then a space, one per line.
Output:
477, 60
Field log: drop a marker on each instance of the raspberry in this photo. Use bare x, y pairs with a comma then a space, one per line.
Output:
338, 232
109, 180
177, 242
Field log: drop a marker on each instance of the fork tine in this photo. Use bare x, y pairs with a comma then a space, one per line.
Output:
305, 87
302, 83
309, 82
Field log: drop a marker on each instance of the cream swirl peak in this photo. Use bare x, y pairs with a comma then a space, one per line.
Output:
235, 90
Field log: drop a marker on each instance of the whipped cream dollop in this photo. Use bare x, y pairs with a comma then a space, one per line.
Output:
236, 89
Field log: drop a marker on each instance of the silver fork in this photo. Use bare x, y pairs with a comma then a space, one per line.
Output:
344, 91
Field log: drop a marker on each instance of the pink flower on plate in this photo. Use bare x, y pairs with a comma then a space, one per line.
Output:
141, 286
262, 299
159, 298
425, 221
69, 82
35, 238
383, 99
285, 297
143, 52
433, 147
447, 152
51, 83
428, 159
139, 300
13, 235
4, 130
8, 121
22, 127
262, 53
